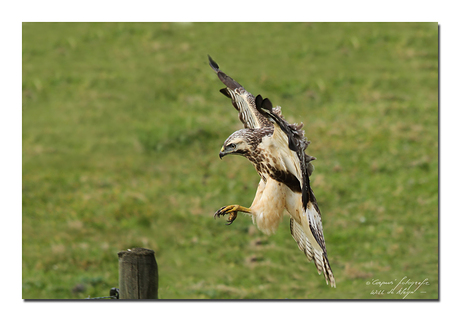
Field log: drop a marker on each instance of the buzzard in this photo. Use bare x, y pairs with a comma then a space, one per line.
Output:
276, 148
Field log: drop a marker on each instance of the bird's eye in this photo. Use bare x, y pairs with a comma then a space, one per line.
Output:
232, 146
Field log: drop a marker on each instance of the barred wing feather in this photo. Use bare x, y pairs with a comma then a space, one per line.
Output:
309, 233
242, 100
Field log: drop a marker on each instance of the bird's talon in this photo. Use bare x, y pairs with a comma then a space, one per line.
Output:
231, 217
227, 210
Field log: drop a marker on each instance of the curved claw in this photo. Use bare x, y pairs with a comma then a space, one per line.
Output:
231, 217
231, 210
219, 213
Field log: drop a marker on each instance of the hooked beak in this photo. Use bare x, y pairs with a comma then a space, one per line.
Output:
222, 153
228, 150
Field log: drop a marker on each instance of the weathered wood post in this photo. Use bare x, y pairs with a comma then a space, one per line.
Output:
138, 274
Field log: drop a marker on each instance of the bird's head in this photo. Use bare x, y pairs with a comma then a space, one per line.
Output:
236, 144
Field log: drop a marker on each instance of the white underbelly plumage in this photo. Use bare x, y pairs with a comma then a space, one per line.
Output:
270, 203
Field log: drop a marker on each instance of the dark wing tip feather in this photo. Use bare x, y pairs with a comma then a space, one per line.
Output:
224, 91
228, 81
265, 107
213, 64
259, 100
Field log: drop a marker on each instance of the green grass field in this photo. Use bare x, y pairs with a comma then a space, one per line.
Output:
123, 123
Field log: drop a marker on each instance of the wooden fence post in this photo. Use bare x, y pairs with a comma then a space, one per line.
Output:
138, 274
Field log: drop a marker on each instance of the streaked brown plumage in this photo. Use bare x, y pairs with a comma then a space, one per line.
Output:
277, 151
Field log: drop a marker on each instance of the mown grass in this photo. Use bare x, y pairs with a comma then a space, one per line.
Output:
123, 122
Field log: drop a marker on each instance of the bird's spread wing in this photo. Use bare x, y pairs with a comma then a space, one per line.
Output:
314, 246
301, 239
312, 253
242, 100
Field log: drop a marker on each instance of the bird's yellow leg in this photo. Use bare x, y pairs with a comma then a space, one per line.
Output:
232, 211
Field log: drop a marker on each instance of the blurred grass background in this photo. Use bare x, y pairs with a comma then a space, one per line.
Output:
123, 122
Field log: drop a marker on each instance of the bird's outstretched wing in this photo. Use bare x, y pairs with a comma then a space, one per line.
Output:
314, 246
242, 100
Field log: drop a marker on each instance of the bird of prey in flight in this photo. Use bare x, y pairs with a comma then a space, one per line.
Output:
276, 148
